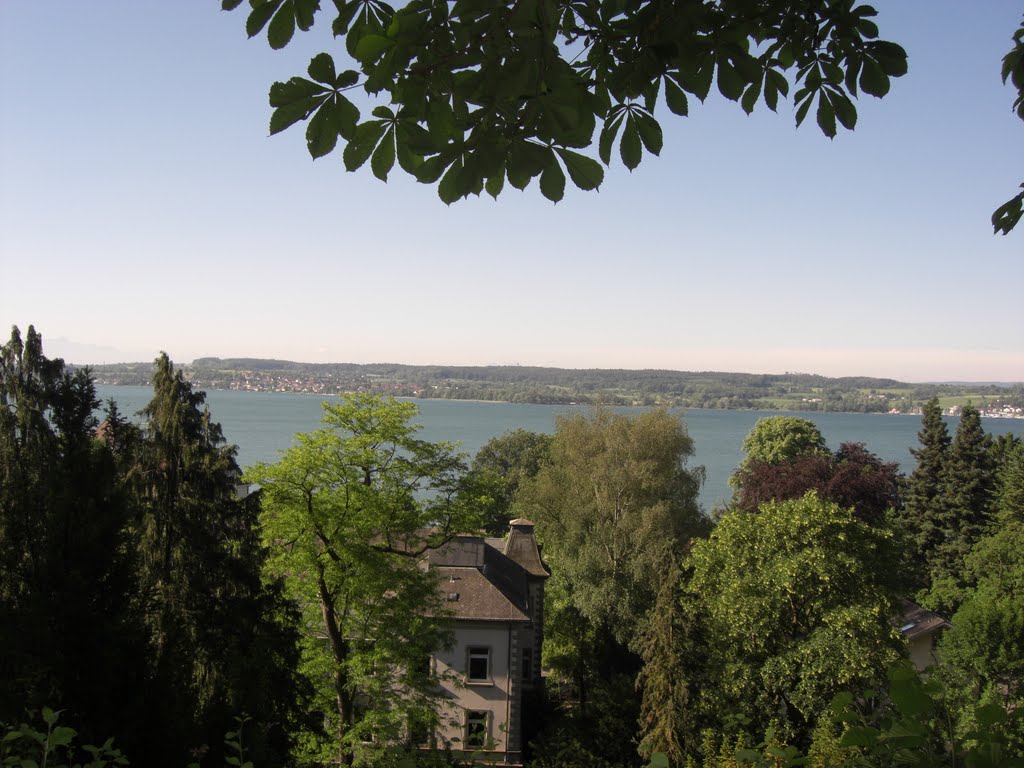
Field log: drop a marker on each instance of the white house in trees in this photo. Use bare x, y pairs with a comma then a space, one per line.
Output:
495, 590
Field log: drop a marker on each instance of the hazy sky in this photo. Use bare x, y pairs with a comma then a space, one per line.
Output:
144, 207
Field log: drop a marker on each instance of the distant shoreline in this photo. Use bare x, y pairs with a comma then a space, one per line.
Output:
415, 398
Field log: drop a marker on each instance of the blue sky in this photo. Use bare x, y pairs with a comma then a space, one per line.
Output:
143, 206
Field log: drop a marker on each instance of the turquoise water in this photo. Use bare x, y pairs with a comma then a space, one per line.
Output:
263, 423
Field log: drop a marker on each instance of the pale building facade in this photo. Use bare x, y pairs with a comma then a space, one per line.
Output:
495, 591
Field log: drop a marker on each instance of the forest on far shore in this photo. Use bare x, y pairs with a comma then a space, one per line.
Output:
564, 386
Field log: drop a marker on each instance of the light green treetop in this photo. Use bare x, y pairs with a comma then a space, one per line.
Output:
793, 605
615, 501
779, 439
349, 512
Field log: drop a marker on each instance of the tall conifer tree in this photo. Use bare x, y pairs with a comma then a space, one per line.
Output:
222, 642
923, 508
69, 635
965, 510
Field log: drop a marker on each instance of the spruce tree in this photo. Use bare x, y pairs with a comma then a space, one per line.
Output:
1010, 492
923, 510
222, 642
965, 510
69, 631
665, 716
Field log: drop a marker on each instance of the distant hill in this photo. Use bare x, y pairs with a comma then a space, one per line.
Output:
533, 384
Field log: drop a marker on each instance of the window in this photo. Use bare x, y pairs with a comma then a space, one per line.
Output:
423, 666
420, 734
478, 668
476, 728
527, 665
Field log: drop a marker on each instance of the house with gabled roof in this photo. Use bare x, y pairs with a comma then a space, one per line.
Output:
494, 590
921, 630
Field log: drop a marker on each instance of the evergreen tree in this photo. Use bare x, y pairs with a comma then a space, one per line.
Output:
69, 631
965, 508
223, 643
663, 679
923, 505
1010, 488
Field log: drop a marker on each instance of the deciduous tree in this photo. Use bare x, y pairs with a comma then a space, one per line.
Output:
852, 477
615, 503
350, 510
793, 605
501, 466
475, 93
778, 439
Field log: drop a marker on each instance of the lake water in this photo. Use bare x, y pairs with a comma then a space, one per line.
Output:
263, 423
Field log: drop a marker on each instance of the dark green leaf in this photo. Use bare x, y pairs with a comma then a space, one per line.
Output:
383, 159
607, 140
868, 29
845, 110
348, 117
629, 148
344, 18
282, 26
305, 13
891, 57
229, 5
347, 79
259, 16
495, 184
291, 113
431, 169
853, 65
801, 111
859, 736
750, 96
408, 159
361, 146
321, 69
873, 79
296, 89
826, 116
552, 181
675, 98
449, 190
370, 47
650, 132
322, 131
383, 113
1008, 215
585, 172
699, 86
651, 94
730, 82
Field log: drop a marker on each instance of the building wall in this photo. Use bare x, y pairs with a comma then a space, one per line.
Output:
494, 697
920, 650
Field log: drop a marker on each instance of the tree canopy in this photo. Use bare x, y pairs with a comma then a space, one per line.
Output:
613, 504
476, 92
793, 604
780, 439
349, 511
